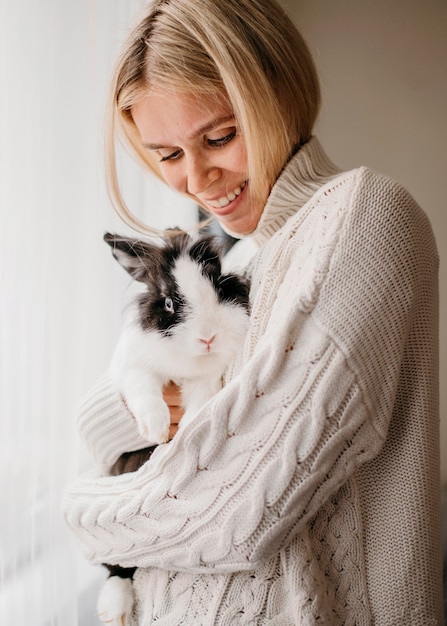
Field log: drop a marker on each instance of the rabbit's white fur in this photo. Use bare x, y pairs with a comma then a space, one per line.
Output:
145, 361
115, 601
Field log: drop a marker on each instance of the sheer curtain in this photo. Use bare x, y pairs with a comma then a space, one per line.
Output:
60, 290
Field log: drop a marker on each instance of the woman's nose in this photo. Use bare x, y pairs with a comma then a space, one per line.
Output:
200, 175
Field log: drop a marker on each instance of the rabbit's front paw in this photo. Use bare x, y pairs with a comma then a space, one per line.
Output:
115, 601
153, 420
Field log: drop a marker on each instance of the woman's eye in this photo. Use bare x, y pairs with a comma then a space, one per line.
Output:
221, 141
169, 305
170, 157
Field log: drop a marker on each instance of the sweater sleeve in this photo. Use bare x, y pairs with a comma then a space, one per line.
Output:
106, 425
285, 434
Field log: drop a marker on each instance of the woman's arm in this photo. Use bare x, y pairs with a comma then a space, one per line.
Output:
311, 404
109, 428
261, 457
106, 425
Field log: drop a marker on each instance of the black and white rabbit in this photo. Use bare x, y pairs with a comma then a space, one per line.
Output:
186, 326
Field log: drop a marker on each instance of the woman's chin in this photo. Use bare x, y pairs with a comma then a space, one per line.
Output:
241, 221
238, 226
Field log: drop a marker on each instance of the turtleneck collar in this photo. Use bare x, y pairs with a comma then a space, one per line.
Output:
308, 170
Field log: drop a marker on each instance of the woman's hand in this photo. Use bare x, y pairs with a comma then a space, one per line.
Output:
171, 395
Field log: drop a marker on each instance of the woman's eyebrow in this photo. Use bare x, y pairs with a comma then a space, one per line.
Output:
202, 130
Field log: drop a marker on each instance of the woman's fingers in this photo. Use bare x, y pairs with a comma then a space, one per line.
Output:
172, 397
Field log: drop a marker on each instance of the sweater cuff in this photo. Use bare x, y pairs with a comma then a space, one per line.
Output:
106, 425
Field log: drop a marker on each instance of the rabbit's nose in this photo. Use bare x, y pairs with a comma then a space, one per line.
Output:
208, 342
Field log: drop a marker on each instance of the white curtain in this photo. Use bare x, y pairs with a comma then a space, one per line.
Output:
60, 290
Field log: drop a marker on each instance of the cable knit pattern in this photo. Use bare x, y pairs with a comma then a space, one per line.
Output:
306, 491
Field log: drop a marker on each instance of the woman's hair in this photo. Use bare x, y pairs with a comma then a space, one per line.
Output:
248, 50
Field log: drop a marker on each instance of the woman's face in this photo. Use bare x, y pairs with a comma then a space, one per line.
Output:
200, 153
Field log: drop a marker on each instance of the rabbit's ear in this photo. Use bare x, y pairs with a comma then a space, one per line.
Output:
206, 252
137, 257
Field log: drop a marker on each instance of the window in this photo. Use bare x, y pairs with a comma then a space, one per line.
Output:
60, 291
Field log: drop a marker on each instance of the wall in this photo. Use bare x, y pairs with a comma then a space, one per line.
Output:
383, 67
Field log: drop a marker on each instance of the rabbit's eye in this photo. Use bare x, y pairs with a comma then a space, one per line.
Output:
169, 305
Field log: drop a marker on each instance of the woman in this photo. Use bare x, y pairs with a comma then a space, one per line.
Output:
307, 490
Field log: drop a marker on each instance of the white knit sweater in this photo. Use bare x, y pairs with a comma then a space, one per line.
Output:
306, 492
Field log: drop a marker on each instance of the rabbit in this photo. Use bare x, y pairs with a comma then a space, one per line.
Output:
186, 326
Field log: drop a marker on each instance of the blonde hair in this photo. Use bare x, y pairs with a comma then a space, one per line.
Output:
248, 50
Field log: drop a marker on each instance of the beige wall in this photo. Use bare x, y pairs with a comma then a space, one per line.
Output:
383, 66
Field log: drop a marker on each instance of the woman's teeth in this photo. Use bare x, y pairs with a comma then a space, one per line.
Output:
225, 200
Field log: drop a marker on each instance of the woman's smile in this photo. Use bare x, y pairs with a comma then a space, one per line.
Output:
201, 153
224, 201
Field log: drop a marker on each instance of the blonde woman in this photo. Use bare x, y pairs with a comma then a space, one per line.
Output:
307, 490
